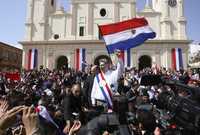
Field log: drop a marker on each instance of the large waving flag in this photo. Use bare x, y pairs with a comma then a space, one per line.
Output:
177, 60
126, 34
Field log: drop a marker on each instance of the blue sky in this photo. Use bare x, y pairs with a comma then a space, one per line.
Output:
13, 14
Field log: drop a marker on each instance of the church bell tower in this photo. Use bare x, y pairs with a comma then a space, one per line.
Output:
173, 22
37, 23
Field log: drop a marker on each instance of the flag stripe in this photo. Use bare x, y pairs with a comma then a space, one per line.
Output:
29, 59
83, 59
121, 26
80, 59
126, 57
130, 43
107, 87
173, 59
32, 58
177, 59
103, 92
180, 58
35, 58
77, 59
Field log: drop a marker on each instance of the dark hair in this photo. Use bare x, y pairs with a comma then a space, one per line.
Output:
147, 119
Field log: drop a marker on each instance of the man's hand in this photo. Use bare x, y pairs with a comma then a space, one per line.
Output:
3, 107
106, 133
157, 131
67, 127
9, 117
76, 126
118, 53
30, 120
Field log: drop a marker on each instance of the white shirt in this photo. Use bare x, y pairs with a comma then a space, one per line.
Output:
111, 77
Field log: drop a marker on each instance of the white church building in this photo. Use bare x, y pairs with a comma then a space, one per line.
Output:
56, 34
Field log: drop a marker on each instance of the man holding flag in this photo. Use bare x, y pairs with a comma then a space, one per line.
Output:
117, 36
105, 82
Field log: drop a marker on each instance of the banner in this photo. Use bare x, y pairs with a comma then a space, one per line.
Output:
126, 57
177, 60
80, 59
32, 59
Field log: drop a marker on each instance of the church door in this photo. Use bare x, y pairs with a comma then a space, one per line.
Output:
62, 62
144, 62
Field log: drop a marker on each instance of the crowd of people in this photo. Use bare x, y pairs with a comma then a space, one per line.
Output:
63, 101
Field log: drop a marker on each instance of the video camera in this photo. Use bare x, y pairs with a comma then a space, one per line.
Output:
184, 111
115, 122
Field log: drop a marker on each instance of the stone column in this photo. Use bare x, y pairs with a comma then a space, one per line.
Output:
89, 58
166, 22
72, 59
50, 59
90, 18
158, 57
44, 20
181, 21
29, 21
165, 58
74, 19
43, 56
132, 10
25, 58
180, 8
185, 58
134, 58
168, 58
116, 12
165, 9
29, 15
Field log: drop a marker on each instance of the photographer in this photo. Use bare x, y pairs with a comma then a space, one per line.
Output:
146, 122
73, 107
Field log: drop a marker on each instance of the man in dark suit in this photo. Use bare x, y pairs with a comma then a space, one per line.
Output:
73, 107
88, 84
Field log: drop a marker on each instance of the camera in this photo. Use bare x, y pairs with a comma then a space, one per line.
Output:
115, 122
184, 111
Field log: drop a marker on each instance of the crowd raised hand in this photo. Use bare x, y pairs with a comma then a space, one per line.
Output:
9, 117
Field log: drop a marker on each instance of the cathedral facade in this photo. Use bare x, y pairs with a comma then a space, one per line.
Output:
56, 34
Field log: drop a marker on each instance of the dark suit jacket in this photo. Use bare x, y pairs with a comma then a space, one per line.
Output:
72, 104
87, 89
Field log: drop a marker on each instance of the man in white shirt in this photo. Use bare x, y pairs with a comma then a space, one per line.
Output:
106, 81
